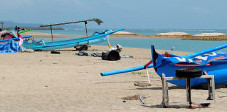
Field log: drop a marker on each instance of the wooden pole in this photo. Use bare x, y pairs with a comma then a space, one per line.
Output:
86, 28
2, 25
188, 90
51, 33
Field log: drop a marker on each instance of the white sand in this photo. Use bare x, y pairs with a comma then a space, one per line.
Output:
173, 33
44, 82
209, 34
124, 33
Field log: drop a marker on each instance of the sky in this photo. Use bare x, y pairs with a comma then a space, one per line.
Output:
136, 14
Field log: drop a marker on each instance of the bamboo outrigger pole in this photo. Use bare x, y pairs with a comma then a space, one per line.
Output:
98, 21
51, 30
86, 28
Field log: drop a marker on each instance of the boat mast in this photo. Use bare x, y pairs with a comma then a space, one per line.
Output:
85, 22
51, 30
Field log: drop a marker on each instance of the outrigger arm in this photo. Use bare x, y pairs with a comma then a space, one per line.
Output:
98, 21
51, 30
151, 65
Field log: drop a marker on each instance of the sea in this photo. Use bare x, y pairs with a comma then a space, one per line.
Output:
159, 43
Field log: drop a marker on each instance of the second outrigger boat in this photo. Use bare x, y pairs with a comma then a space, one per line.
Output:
82, 41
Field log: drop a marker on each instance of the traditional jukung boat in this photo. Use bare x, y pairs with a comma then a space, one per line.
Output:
83, 41
214, 63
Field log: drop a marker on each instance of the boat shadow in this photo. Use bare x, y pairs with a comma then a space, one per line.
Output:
200, 87
171, 106
160, 88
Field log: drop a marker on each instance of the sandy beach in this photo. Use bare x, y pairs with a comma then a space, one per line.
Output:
45, 82
61, 80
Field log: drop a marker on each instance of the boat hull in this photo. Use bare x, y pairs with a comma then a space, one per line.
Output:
220, 74
60, 44
96, 38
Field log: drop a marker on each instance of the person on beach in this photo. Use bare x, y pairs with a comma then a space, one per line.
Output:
172, 49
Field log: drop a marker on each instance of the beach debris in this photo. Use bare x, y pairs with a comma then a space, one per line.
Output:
55, 52
83, 53
28, 51
142, 97
134, 97
96, 54
124, 56
112, 54
83, 47
138, 73
142, 84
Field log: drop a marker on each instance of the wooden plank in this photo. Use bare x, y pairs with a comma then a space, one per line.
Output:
203, 101
175, 78
211, 90
165, 97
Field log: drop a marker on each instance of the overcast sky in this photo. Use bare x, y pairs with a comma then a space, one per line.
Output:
154, 14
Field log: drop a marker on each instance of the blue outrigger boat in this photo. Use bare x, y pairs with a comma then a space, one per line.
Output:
214, 63
83, 41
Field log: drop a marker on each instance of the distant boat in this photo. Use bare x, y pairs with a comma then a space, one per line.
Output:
82, 42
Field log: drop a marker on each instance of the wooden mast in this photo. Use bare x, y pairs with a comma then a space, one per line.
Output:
85, 22
51, 30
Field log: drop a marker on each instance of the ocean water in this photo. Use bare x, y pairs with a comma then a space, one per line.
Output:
138, 31
160, 43
165, 44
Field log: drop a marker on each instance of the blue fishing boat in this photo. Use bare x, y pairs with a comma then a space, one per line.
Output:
42, 45
214, 63
81, 42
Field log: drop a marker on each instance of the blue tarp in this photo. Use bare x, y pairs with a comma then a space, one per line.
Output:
10, 46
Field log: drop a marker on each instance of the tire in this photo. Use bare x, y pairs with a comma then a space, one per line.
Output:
111, 55
55, 52
189, 72
84, 47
